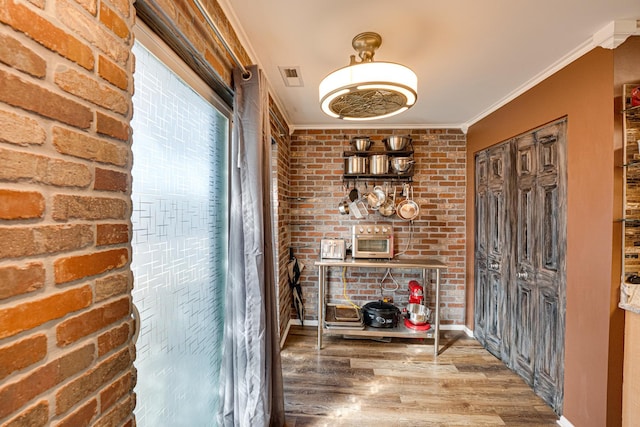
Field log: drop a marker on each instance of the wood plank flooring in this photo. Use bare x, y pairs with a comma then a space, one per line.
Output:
360, 382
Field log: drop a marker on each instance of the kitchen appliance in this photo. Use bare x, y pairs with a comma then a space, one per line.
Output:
416, 292
333, 249
416, 314
380, 314
372, 241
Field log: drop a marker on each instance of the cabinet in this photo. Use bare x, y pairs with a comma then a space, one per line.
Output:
520, 256
630, 291
400, 331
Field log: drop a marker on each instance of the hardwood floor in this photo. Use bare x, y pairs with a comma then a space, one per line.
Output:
354, 382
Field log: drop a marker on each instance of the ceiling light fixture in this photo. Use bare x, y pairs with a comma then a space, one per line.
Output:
368, 90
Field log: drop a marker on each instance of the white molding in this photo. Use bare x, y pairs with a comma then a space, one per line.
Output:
615, 33
564, 422
352, 125
284, 336
608, 35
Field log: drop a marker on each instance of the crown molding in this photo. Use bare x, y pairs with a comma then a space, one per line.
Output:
615, 33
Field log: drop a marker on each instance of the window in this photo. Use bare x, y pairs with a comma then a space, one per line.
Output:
179, 244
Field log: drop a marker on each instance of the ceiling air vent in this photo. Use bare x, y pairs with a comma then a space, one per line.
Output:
291, 76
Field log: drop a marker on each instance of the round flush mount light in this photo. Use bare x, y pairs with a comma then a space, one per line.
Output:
368, 90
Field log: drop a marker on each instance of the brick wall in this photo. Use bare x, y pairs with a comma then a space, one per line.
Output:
65, 105
316, 168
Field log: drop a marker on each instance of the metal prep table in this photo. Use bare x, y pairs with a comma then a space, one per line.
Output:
401, 330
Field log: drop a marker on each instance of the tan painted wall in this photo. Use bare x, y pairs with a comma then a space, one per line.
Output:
583, 92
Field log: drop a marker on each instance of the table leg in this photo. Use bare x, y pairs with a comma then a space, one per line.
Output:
321, 274
436, 338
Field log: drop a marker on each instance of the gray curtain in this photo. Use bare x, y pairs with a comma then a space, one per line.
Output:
251, 376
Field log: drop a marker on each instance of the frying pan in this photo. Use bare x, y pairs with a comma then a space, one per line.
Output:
408, 209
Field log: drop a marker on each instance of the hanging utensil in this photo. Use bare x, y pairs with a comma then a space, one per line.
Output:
408, 209
388, 208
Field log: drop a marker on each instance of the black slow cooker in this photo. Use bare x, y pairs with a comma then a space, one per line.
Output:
380, 314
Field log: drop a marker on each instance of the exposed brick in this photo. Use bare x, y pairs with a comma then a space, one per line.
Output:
67, 207
123, 6
113, 339
82, 416
115, 391
17, 55
30, 97
91, 381
19, 355
118, 414
116, 284
19, 166
112, 73
37, 3
89, 5
44, 32
112, 21
81, 145
20, 130
114, 128
21, 204
16, 280
88, 322
25, 316
78, 267
109, 180
34, 416
14, 395
49, 239
86, 28
85, 87
112, 234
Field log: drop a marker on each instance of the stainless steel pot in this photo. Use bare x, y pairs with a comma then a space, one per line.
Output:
356, 165
378, 164
396, 142
361, 143
401, 164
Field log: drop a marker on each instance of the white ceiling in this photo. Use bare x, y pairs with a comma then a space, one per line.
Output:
470, 56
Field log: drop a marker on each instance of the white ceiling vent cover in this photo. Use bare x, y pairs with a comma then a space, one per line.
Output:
291, 76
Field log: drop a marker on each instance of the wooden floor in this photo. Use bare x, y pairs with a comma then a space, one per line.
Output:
355, 382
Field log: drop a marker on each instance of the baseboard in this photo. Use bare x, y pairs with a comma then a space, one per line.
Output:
564, 422
284, 336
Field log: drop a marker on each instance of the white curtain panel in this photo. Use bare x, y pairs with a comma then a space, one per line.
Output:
251, 376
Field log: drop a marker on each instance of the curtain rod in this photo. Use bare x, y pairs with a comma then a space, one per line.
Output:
212, 25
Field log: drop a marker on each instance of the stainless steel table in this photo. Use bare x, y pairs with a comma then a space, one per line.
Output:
401, 330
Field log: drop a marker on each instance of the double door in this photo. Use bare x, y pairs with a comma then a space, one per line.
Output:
520, 256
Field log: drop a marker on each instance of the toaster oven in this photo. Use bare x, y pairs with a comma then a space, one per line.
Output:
372, 241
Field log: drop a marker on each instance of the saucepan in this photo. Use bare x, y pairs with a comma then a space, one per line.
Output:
376, 198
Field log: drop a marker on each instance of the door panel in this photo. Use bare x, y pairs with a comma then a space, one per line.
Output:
520, 256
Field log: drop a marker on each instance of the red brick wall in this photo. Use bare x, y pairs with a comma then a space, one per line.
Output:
65, 106
316, 168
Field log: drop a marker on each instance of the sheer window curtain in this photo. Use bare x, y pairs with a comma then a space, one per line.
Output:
251, 376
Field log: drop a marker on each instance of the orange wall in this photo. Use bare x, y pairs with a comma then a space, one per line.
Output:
583, 92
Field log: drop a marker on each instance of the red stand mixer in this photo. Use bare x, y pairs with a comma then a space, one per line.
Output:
416, 314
